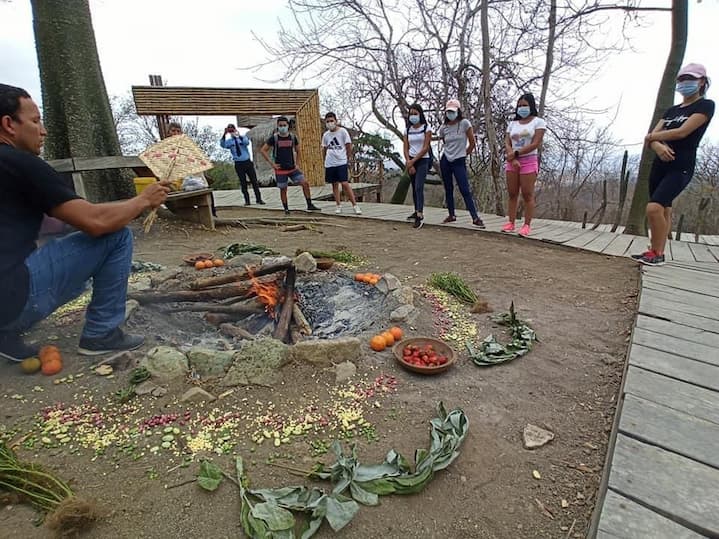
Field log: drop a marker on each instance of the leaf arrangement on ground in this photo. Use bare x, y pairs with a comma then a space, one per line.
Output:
492, 352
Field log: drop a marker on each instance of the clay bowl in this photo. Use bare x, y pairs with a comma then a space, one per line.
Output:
196, 257
325, 263
440, 347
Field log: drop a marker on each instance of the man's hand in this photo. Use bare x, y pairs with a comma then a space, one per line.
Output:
156, 193
664, 152
276, 166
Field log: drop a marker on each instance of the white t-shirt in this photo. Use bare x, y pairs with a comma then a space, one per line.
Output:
335, 142
521, 135
415, 137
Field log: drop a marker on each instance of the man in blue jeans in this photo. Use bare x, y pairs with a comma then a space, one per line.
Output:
36, 281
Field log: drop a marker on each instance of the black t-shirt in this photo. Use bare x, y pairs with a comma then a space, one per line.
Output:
29, 188
284, 152
685, 150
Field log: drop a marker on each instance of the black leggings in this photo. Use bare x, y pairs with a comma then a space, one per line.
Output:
244, 169
666, 182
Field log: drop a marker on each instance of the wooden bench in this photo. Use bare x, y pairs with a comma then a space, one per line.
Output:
193, 206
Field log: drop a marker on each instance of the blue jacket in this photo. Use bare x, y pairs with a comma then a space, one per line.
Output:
238, 147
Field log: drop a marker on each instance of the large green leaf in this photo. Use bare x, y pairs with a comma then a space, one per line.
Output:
210, 476
274, 516
340, 511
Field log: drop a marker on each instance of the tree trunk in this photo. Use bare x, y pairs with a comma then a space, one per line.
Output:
76, 108
665, 99
549, 60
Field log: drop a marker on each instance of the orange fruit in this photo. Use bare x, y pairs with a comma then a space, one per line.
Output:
49, 353
377, 343
209, 264
30, 365
388, 338
373, 280
397, 333
359, 277
200, 264
52, 366
217, 262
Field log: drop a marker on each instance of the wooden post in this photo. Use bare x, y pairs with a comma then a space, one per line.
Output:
163, 121
623, 188
584, 220
703, 203
680, 226
283, 322
599, 214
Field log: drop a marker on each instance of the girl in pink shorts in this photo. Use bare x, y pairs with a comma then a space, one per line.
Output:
524, 137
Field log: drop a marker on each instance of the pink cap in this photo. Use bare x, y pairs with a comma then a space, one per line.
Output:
452, 104
697, 71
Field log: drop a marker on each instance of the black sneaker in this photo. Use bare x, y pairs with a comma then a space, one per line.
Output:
450, 219
478, 223
116, 341
312, 207
418, 222
247, 203
261, 202
411, 217
13, 348
642, 255
287, 212
652, 259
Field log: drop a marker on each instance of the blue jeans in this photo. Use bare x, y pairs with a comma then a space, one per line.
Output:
458, 169
417, 180
59, 271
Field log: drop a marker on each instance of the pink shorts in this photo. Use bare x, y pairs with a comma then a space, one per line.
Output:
528, 164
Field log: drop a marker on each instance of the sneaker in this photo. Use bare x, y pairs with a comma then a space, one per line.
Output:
338, 209
508, 228
247, 203
357, 210
411, 217
116, 341
13, 348
450, 219
478, 223
312, 207
652, 259
525, 230
287, 212
418, 222
642, 255
261, 202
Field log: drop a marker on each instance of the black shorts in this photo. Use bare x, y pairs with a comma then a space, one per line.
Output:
666, 183
339, 174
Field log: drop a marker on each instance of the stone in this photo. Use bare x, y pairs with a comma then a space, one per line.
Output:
305, 263
145, 388
130, 306
388, 283
344, 371
272, 260
158, 391
138, 284
207, 362
197, 394
156, 279
401, 313
535, 436
403, 295
245, 259
325, 352
257, 362
165, 363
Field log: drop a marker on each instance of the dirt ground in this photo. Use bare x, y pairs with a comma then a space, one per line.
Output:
580, 304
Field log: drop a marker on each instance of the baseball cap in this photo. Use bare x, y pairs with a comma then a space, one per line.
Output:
452, 104
697, 71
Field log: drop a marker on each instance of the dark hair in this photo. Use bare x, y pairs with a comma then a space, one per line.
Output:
174, 125
230, 126
283, 119
418, 108
10, 100
529, 98
330, 115
459, 117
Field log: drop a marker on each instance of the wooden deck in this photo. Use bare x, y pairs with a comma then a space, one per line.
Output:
662, 474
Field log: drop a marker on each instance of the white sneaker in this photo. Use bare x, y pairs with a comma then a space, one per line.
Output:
357, 210
338, 209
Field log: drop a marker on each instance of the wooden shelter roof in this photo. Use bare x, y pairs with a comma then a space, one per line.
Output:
184, 100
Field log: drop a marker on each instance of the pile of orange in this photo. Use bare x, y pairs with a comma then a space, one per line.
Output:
388, 338
50, 360
205, 264
367, 278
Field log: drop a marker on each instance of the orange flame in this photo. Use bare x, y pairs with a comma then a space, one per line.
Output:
268, 293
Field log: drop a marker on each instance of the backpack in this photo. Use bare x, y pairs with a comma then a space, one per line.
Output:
433, 162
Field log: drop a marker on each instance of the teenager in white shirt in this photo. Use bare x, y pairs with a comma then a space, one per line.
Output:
522, 143
336, 149
417, 154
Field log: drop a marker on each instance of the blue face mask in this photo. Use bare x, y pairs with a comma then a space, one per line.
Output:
283, 130
523, 112
451, 115
687, 87
414, 119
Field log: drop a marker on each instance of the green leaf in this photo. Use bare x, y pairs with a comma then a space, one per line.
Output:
210, 476
363, 496
340, 511
274, 516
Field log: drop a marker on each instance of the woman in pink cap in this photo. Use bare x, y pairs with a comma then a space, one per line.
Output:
675, 140
457, 136
524, 137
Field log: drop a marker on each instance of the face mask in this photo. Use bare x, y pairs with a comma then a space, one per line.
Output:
331, 125
414, 119
451, 115
523, 112
283, 130
688, 87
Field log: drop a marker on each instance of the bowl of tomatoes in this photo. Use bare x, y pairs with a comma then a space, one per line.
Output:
424, 355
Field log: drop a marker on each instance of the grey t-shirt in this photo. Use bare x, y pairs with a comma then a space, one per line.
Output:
455, 139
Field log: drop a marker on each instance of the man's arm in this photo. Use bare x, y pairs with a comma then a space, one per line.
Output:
265, 151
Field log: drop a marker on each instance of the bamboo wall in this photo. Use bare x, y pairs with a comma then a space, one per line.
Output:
309, 131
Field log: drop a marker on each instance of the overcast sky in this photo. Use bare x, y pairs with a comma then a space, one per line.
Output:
203, 43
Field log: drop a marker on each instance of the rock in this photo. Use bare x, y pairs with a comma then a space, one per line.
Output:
305, 263
138, 284
165, 363
388, 283
403, 295
535, 436
344, 371
130, 306
145, 388
271, 260
245, 259
257, 362
324, 352
158, 391
207, 362
156, 279
197, 394
401, 313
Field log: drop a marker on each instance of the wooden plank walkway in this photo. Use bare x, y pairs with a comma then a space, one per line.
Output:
662, 475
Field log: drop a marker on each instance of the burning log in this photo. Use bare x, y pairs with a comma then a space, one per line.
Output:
224, 292
283, 323
234, 331
239, 276
299, 318
246, 307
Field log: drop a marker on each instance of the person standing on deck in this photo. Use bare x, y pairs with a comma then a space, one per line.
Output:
239, 146
336, 149
675, 139
418, 159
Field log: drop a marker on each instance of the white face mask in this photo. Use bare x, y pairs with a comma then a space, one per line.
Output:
331, 125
